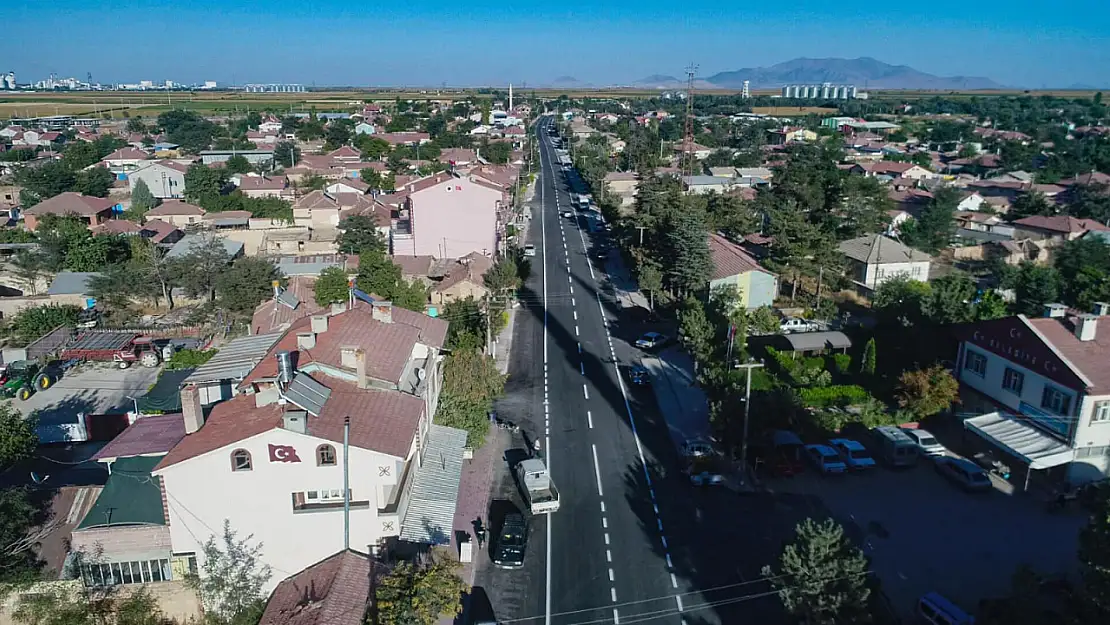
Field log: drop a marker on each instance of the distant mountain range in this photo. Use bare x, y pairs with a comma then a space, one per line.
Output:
864, 73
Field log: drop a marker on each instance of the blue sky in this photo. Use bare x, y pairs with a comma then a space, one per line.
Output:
418, 42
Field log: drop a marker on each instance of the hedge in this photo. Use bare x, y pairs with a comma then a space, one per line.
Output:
839, 395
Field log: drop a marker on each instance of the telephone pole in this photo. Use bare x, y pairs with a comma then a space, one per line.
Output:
747, 411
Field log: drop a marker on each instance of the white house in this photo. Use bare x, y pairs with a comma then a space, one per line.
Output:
875, 258
165, 179
363, 128
1049, 377
276, 450
124, 160
971, 202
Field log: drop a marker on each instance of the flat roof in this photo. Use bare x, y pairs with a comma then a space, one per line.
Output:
1033, 446
131, 496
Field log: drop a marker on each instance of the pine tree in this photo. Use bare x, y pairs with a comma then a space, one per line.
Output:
142, 199
867, 367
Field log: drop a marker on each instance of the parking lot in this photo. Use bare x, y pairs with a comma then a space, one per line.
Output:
925, 534
91, 388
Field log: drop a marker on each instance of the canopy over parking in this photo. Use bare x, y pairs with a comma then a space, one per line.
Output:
813, 341
1023, 441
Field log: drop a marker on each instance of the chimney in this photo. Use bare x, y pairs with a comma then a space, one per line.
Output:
306, 340
1102, 309
191, 409
319, 324
1085, 327
338, 307
360, 368
382, 311
1055, 311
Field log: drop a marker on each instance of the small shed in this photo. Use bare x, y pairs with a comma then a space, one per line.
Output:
810, 342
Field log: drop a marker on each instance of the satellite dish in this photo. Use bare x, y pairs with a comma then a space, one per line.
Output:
421, 373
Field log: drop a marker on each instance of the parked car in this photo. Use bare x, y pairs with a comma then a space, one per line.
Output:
507, 552
797, 324
568, 214
854, 454
926, 442
651, 340
964, 473
825, 459
529, 250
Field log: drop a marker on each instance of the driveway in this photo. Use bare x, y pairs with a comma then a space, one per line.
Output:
91, 388
923, 534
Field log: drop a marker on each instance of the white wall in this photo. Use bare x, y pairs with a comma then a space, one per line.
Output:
877, 274
203, 491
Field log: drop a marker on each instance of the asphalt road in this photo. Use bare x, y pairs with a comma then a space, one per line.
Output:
633, 541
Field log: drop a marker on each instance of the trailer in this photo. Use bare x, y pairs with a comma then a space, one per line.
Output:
122, 348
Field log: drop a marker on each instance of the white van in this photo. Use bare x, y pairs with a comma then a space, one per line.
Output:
895, 447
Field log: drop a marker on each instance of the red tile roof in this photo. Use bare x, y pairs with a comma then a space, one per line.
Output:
147, 436
414, 265
71, 203
334, 591
126, 154
471, 267
175, 207
270, 316
263, 183
1090, 357
117, 226
345, 151
158, 230
730, 259
388, 345
1061, 223
403, 138
381, 421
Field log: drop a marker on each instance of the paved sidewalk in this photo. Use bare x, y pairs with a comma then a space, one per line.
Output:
680, 399
475, 487
624, 285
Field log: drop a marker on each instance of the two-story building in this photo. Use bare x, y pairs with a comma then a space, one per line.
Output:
447, 216
93, 211
369, 376
1049, 379
165, 179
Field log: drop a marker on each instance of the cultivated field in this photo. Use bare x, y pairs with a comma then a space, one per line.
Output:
787, 111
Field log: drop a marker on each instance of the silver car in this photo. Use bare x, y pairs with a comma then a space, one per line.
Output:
926, 442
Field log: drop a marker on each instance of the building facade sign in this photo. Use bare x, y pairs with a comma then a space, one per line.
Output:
1012, 340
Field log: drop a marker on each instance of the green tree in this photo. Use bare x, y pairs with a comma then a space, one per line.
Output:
1034, 286
1091, 201
372, 147
950, 299
142, 199
336, 135
18, 542
115, 286
79, 155
497, 152
18, 440
98, 252
29, 268
410, 295
990, 306
234, 575
287, 154
1084, 268
687, 245
89, 606
45, 181
471, 381
33, 323
135, 125
927, 392
58, 236
420, 595
1029, 205
247, 283
864, 204
901, 300
203, 182
359, 234
467, 329
934, 229
650, 279
331, 286
198, 271
821, 578
502, 278
697, 332
867, 364
238, 164
377, 274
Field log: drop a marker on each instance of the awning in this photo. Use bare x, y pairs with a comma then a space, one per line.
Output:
1025, 441
430, 515
815, 341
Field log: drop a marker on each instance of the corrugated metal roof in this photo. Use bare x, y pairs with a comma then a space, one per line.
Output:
288, 299
192, 242
235, 360
812, 341
435, 488
307, 393
71, 283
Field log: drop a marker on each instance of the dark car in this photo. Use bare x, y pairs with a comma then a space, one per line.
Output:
507, 552
638, 375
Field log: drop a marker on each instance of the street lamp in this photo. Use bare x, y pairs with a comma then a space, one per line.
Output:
751, 364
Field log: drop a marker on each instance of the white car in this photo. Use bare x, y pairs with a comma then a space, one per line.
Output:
825, 459
926, 442
568, 214
650, 340
854, 454
797, 324
529, 250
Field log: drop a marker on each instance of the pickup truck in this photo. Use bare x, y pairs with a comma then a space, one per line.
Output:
536, 486
704, 464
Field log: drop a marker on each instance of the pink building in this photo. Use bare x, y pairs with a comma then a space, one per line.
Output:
448, 217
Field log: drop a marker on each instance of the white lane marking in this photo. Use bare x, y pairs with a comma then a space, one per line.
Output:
590, 420
608, 556
610, 574
569, 279
613, 593
606, 538
616, 617
572, 290
604, 523
603, 507
547, 439
597, 472
678, 600
582, 368
670, 565
664, 539
576, 330
575, 315
585, 392
572, 302
674, 581
579, 348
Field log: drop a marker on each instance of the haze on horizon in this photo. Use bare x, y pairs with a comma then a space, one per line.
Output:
422, 43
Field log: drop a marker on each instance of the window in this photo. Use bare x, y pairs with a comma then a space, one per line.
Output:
1101, 413
324, 499
325, 456
240, 460
1013, 381
975, 363
1055, 400
134, 572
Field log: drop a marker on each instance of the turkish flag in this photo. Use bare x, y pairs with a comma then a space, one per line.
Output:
283, 453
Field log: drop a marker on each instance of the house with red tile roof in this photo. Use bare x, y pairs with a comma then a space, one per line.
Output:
1045, 388
334, 591
404, 138
369, 374
321, 209
265, 186
177, 213
1055, 229
165, 178
124, 160
161, 232
461, 278
93, 211
448, 216
117, 226
734, 267
892, 169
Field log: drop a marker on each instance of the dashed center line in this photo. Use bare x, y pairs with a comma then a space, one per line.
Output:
597, 472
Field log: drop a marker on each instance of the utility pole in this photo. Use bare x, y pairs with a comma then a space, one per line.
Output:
747, 411
346, 483
641, 229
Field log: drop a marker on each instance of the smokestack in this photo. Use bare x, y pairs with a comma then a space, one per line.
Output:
285, 367
191, 410
510, 98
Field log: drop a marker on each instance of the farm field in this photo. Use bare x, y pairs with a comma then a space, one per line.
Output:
786, 111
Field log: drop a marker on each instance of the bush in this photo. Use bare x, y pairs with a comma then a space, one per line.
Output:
189, 358
842, 363
838, 395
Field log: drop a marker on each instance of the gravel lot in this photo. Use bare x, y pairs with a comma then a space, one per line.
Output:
924, 534
91, 388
